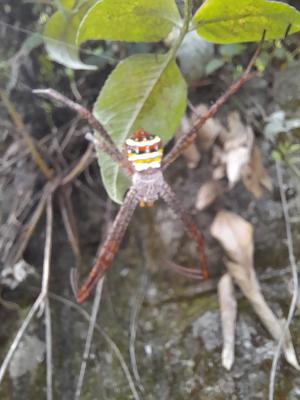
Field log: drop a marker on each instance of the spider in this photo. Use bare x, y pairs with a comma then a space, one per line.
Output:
144, 164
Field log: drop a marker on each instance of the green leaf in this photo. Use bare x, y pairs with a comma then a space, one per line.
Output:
60, 34
214, 65
69, 4
276, 155
144, 91
129, 20
229, 21
231, 50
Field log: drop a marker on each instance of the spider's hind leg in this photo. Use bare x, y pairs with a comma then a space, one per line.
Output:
193, 233
111, 245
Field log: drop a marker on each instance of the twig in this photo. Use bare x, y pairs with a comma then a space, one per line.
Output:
26, 136
89, 338
293, 266
37, 305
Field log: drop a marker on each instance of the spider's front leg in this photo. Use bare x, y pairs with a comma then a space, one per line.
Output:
185, 140
106, 144
111, 245
193, 232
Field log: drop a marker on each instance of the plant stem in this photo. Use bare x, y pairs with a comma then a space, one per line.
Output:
184, 29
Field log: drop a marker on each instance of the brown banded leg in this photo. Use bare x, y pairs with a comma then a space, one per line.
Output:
111, 245
185, 140
193, 232
107, 145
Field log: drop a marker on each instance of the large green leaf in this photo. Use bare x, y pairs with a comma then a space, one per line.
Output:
129, 20
229, 21
60, 34
144, 91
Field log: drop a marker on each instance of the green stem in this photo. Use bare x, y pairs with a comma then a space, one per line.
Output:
292, 167
184, 29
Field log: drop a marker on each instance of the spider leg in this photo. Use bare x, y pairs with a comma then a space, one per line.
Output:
111, 245
185, 140
193, 232
107, 145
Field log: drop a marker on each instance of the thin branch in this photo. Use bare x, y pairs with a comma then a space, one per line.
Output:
89, 338
26, 136
293, 265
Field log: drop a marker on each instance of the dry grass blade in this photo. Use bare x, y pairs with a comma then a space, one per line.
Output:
82, 164
228, 309
49, 363
111, 343
66, 209
133, 327
293, 264
26, 136
89, 338
29, 228
39, 302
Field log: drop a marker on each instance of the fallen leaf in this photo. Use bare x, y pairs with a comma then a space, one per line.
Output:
236, 160
236, 237
191, 154
254, 175
210, 130
208, 193
228, 309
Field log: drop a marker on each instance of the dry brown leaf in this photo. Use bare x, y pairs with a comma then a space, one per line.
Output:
237, 147
254, 175
208, 193
237, 132
228, 309
235, 161
210, 130
236, 236
192, 153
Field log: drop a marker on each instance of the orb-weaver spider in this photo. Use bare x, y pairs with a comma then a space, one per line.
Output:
145, 165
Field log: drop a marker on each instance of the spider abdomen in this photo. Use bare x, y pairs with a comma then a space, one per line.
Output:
144, 150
